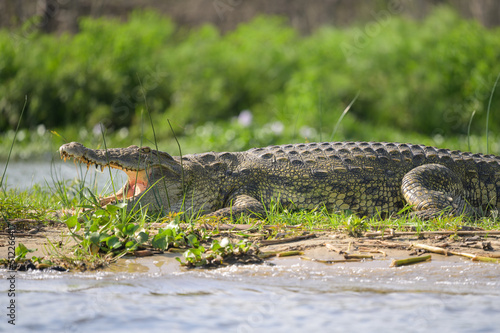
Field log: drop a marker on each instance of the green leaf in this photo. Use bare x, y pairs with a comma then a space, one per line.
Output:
215, 245
94, 238
112, 209
100, 213
174, 225
119, 230
130, 229
72, 221
192, 240
142, 237
94, 226
192, 253
103, 220
113, 242
121, 205
21, 251
131, 245
180, 261
159, 242
166, 232
103, 237
73, 224
35, 259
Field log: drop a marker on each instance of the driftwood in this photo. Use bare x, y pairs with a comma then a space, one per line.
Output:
286, 240
330, 261
445, 252
410, 261
269, 254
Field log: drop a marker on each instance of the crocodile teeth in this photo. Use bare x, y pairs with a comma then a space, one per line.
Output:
99, 167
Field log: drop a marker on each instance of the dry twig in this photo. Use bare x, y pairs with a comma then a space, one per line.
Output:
409, 261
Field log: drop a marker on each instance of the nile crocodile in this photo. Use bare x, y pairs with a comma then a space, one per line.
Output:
366, 178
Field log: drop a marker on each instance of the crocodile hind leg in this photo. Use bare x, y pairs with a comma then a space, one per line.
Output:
433, 189
241, 204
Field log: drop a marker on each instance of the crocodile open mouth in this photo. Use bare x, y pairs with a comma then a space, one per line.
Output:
136, 184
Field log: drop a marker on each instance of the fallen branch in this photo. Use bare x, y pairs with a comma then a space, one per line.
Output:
409, 261
143, 253
357, 256
333, 248
363, 249
486, 259
176, 250
286, 240
389, 245
433, 249
432, 233
269, 254
440, 250
330, 261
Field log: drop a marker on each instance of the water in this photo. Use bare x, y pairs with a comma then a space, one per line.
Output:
23, 175
155, 294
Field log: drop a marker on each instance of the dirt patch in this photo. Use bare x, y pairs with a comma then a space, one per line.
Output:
43, 238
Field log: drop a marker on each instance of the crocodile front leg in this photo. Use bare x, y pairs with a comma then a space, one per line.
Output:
433, 189
241, 204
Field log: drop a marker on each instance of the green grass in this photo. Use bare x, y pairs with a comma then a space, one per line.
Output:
40, 203
34, 204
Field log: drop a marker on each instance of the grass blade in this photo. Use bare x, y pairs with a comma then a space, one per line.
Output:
468, 128
488, 113
13, 141
342, 116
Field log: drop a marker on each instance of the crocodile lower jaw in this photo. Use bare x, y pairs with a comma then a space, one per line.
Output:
136, 184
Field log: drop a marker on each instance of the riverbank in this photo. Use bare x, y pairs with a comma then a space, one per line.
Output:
53, 241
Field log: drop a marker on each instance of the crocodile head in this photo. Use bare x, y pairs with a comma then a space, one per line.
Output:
145, 168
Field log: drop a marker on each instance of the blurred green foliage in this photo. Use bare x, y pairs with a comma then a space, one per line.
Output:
424, 77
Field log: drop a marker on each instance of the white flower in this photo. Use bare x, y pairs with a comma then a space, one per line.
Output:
277, 127
245, 118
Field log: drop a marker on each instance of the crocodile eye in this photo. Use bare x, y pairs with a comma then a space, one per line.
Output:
145, 150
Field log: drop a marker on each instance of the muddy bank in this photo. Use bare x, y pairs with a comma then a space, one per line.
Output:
326, 247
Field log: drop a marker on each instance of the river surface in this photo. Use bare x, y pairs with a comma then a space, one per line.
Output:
155, 294
24, 175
